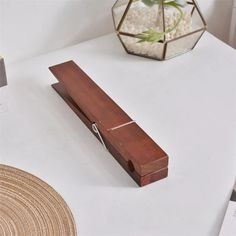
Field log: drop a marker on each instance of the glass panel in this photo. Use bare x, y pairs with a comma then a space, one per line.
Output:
191, 21
118, 11
152, 50
197, 22
182, 45
141, 18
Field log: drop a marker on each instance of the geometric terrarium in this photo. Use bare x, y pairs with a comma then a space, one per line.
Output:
158, 29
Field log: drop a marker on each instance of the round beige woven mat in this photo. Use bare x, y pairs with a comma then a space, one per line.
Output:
30, 207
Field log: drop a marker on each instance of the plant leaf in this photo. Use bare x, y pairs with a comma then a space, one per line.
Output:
150, 3
151, 36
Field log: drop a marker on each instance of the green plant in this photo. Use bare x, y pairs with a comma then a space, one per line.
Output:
153, 36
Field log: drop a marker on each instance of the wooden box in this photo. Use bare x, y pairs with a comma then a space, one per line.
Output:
136, 152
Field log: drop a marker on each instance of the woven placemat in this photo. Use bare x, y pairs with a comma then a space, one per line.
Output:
30, 207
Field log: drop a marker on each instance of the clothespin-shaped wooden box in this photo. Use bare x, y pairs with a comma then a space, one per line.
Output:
136, 152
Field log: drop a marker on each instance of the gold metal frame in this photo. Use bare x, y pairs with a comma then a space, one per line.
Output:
164, 42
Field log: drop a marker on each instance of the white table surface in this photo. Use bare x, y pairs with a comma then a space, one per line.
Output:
187, 105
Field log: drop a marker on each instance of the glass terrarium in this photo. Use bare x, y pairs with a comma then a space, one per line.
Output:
158, 29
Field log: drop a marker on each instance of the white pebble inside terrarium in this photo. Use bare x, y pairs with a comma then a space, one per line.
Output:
141, 18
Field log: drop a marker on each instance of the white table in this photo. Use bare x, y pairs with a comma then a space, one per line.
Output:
187, 105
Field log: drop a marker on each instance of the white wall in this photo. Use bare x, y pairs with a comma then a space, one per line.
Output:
218, 16
233, 28
32, 27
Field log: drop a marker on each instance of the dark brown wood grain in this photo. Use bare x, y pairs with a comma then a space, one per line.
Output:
137, 153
